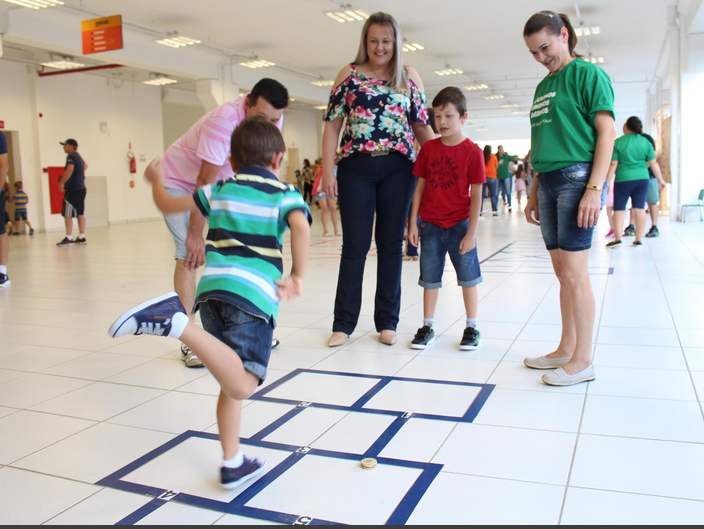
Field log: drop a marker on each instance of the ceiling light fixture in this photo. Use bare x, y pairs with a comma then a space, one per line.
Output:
449, 71
36, 4
160, 81
347, 14
483, 129
594, 60
493, 96
257, 64
412, 46
321, 107
177, 41
509, 105
477, 87
323, 83
63, 64
587, 31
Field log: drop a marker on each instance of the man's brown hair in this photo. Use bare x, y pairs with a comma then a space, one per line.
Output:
255, 142
451, 95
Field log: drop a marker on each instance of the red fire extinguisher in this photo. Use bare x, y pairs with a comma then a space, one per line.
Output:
133, 162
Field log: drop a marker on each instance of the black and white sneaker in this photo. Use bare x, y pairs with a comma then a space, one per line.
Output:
275, 343
189, 358
82, 241
470, 340
630, 231
231, 478
654, 232
424, 338
614, 244
4, 281
66, 242
162, 316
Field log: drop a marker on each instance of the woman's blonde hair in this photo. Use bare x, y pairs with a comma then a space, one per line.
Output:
399, 75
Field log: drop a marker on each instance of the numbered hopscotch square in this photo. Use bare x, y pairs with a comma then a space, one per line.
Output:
320, 388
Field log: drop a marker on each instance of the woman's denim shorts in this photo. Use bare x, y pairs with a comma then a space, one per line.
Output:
559, 195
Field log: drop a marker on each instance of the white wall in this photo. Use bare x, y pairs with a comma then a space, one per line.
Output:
16, 112
178, 119
302, 131
692, 119
74, 106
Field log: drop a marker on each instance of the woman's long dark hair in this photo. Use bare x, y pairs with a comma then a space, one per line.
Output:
487, 154
552, 23
634, 124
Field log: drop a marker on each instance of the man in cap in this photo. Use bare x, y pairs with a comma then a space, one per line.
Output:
73, 183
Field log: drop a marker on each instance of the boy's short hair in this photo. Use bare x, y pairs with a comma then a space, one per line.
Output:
451, 95
18, 185
273, 91
255, 142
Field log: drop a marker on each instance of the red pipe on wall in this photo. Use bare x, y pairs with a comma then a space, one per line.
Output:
81, 70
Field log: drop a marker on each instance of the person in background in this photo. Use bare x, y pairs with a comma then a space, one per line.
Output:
503, 173
633, 156
299, 180
4, 243
73, 183
491, 164
520, 183
383, 103
610, 207
20, 199
530, 174
573, 133
308, 180
325, 204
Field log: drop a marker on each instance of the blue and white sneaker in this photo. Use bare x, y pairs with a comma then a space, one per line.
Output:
231, 478
162, 316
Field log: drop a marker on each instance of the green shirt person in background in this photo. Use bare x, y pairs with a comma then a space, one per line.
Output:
633, 155
503, 174
573, 135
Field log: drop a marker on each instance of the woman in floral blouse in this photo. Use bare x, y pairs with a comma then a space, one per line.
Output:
384, 107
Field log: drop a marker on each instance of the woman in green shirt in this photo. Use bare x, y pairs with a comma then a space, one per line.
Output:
573, 136
503, 174
633, 155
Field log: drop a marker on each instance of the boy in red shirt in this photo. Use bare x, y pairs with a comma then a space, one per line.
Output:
447, 168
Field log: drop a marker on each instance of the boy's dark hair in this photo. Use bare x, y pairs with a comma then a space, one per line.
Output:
451, 95
255, 142
18, 184
552, 23
271, 90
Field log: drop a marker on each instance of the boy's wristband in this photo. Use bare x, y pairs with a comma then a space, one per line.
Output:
595, 188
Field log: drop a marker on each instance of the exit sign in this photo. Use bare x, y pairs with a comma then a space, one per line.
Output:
102, 34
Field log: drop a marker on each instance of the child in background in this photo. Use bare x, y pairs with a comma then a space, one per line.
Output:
520, 183
446, 169
21, 200
242, 286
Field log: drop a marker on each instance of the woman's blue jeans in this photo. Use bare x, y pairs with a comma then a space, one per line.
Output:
493, 185
367, 185
506, 189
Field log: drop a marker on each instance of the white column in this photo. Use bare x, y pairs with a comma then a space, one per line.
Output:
673, 27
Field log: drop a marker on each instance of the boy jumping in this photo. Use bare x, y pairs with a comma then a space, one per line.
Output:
240, 291
446, 168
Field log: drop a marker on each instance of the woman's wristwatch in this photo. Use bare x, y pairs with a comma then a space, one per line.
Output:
595, 188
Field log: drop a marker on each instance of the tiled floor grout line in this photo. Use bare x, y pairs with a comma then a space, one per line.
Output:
584, 402
72, 506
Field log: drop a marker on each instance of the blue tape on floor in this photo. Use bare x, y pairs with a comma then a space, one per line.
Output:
297, 454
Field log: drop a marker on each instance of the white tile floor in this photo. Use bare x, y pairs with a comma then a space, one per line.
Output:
76, 406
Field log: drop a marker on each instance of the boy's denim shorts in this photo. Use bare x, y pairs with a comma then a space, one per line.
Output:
435, 244
559, 195
248, 335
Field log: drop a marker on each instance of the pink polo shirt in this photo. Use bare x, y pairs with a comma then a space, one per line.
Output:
208, 140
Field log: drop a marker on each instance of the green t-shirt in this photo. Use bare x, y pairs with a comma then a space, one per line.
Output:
632, 152
503, 171
564, 114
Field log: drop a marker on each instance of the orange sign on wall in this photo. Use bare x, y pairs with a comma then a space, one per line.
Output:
102, 34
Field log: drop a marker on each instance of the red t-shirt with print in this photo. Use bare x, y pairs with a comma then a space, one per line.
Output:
449, 172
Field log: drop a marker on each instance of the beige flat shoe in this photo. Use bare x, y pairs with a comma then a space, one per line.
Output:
338, 339
388, 338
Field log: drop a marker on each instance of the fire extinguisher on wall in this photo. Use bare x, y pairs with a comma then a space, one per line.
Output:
133, 162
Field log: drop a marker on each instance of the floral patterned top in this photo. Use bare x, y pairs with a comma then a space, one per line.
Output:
378, 118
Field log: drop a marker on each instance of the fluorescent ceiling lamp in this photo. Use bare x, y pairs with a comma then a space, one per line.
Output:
348, 15
161, 81
323, 83
177, 42
63, 65
509, 106
477, 87
36, 4
321, 107
449, 71
587, 31
257, 64
519, 112
412, 47
492, 97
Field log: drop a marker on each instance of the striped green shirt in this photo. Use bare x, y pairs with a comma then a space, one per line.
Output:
248, 216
